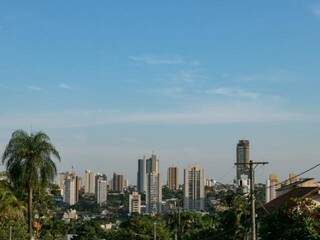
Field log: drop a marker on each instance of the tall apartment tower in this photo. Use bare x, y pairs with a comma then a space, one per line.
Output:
89, 182
117, 182
194, 188
78, 183
172, 178
102, 186
134, 203
142, 176
61, 179
153, 193
69, 194
243, 156
152, 164
271, 187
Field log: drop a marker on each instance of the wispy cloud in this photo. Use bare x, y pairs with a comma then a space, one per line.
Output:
163, 60
233, 92
34, 88
6, 87
196, 115
64, 86
187, 76
155, 60
276, 76
315, 10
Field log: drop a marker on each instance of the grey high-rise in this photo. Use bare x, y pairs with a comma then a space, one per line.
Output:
153, 190
141, 175
243, 156
117, 183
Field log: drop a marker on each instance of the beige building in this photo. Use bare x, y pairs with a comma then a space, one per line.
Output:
271, 187
172, 178
194, 188
69, 193
89, 182
134, 203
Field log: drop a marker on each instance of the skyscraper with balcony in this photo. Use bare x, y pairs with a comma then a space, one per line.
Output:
69, 194
243, 157
153, 193
172, 178
134, 203
152, 164
194, 188
89, 182
102, 186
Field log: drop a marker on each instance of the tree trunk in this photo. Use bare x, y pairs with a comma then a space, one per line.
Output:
30, 212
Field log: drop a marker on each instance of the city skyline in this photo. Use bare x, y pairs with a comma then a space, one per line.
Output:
110, 83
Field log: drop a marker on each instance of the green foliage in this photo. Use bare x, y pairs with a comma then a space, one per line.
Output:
54, 230
298, 223
168, 194
140, 228
18, 229
89, 230
87, 203
10, 207
29, 164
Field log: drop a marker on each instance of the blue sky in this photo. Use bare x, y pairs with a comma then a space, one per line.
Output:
111, 81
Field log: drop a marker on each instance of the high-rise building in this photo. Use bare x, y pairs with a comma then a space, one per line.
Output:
243, 156
61, 179
172, 178
69, 194
117, 182
271, 187
209, 182
141, 175
89, 182
153, 189
194, 188
102, 186
78, 187
152, 164
134, 203
125, 183
98, 177
153, 194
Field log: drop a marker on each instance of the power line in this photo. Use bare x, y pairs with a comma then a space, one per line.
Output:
293, 177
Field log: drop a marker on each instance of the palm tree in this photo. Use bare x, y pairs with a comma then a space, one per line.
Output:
29, 164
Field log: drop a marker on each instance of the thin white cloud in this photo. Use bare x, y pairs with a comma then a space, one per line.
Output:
34, 88
316, 10
156, 60
163, 60
197, 115
276, 76
234, 92
187, 76
64, 86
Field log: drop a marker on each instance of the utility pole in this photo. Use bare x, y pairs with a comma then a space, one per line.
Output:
155, 231
10, 233
252, 166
